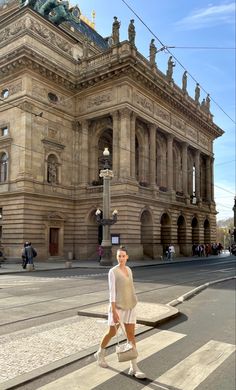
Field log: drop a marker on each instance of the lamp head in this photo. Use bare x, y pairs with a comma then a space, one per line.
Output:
106, 152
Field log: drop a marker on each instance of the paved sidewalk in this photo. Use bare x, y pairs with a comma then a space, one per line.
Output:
12, 267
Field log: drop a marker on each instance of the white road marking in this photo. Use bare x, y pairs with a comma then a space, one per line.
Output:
192, 371
91, 375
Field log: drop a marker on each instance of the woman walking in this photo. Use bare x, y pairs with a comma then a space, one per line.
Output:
122, 309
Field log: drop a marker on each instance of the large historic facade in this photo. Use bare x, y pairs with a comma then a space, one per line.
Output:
65, 94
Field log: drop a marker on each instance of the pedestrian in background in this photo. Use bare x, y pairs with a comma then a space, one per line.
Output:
123, 301
29, 253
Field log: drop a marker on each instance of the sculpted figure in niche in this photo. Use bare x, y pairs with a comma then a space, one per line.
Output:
170, 68
197, 93
184, 82
116, 31
131, 32
52, 171
152, 52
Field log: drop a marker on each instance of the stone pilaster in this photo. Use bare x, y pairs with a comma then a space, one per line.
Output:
152, 155
185, 168
125, 155
132, 145
115, 145
197, 175
170, 162
208, 179
212, 180
84, 152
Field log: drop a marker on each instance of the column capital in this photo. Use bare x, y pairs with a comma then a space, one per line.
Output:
115, 114
185, 145
125, 112
170, 137
84, 124
152, 126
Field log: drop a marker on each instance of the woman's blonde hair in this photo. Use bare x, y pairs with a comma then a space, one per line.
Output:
123, 249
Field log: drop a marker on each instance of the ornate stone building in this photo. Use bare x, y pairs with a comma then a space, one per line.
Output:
65, 94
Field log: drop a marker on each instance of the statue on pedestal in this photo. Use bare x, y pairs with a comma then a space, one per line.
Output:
208, 102
197, 93
152, 53
116, 31
131, 32
184, 82
171, 65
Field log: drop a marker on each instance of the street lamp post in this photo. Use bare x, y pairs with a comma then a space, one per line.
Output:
105, 221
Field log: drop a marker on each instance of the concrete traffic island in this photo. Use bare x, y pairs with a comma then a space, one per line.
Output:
149, 314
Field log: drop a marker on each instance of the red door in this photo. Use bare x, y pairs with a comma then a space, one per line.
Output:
53, 241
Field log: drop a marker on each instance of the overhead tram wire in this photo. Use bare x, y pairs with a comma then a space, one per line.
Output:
176, 59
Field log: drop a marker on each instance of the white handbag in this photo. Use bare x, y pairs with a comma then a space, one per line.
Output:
125, 351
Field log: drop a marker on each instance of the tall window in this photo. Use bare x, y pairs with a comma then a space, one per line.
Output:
3, 167
52, 169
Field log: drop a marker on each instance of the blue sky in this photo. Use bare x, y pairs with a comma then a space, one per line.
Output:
189, 23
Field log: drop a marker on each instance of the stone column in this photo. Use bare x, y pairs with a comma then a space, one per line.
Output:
208, 179
197, 175
185, 168
84, 153
125, 127
132, 145
170, 162
152, 155
115, 146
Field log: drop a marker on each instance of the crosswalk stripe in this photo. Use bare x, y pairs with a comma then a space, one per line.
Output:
190, 372
91, 375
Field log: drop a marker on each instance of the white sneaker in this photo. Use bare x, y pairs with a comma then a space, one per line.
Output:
137, 374
100, 357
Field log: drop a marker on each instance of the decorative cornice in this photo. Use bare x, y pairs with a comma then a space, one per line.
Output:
25, 58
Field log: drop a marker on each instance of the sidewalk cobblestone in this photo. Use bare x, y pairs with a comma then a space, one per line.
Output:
44, 344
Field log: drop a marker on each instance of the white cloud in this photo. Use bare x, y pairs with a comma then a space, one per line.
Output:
210, 16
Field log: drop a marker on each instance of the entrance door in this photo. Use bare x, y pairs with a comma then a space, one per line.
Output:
53, 241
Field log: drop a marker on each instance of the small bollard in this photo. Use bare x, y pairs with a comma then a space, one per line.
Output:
68, 264
29, 267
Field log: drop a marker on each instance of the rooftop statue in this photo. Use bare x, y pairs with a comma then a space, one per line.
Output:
115, 31
152, 53
55, 10
184, 82
131, 32
197, 93
171, 65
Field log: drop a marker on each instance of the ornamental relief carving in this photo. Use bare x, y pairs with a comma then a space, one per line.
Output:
145, 103
162, 114
191, 133
203, 141
99, 100
178, 124
15, 87
38, 28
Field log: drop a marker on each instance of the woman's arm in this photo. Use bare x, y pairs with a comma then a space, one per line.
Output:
112, 293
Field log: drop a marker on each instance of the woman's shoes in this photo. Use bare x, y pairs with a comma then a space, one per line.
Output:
100, 357
137, 374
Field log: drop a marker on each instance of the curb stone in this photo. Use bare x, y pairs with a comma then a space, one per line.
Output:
196, 290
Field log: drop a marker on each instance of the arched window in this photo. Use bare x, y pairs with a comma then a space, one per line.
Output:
3, 167
52, 169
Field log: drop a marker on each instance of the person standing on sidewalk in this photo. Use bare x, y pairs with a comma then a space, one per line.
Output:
122, 309
171, 252
29, 253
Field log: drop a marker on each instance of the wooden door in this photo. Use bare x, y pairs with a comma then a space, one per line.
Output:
54, 241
